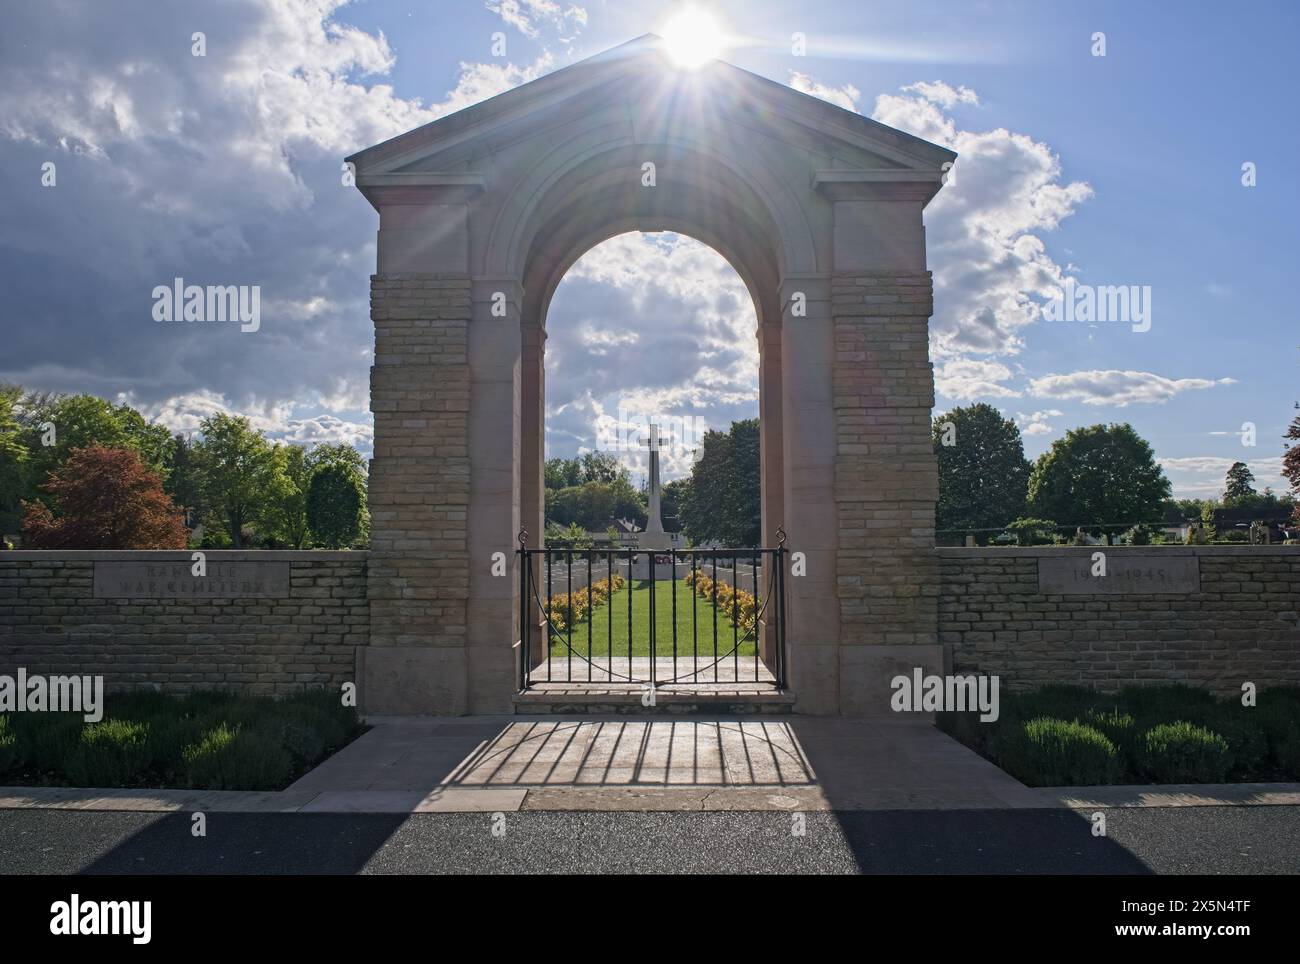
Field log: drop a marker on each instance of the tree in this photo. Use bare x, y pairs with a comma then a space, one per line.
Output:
285, 516
722, 503
1099, 475
1239, 485
107, 499
337, 453
55, 425
343, 456
588, 467
1291, 461
671, 497
184, 479
563, 473
238, 468
983, 473
594, 505
334, 506
13, 459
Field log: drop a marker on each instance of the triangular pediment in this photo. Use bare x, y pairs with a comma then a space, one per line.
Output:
638, 79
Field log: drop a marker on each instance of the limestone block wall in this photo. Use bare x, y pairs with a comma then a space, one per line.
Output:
886, 482
1242, 624
420, 473
52, 623
886, 479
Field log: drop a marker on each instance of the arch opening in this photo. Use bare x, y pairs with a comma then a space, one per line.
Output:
644, 322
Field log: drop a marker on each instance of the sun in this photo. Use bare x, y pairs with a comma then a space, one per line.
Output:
693, 38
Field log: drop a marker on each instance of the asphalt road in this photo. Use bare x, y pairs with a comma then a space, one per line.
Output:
1240, 840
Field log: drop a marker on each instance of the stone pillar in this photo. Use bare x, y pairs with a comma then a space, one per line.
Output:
494, 513
808, 439
886, 479
418, 577
418, 581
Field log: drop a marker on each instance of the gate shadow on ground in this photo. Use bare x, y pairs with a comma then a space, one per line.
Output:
620, 753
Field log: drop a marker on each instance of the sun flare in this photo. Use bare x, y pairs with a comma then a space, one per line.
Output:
693, 38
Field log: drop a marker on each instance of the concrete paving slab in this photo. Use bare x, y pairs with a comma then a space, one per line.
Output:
1174, 795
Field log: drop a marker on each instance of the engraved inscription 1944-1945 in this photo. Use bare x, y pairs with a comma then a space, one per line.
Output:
1124, 575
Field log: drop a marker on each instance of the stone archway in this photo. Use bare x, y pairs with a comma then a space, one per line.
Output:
482, 212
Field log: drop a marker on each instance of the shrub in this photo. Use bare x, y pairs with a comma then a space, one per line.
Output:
311, 724
581, 602
229, 758
111, 753
1183, 753
46, 740
1243, 730
1045, 752
725, 597
1118, 727
1058, 700
1032, 532
1139, 535
1165, 703
1286, 754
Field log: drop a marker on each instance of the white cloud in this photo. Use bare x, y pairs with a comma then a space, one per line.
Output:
984, 229
657, 324
525, 15
1203, 476
846, 96
945, 95
1118, 388
969, 378
1035, 423
224, 169
278, 420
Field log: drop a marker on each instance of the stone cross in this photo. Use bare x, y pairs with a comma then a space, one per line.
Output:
654, 536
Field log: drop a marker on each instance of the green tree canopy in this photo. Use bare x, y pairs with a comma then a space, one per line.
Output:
594, 505
335, 501
238, 470
601, 467
54, 425
1239, 485
13, 459
1102, 474
722, 503
285, 513
983, 473
185, 479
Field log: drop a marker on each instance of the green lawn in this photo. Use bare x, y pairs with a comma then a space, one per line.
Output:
615, 608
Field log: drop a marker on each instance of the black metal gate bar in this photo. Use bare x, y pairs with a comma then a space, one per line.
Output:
748, 624
650, 559
758, 633
672, 557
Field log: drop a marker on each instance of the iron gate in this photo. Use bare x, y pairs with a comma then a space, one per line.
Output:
672, 616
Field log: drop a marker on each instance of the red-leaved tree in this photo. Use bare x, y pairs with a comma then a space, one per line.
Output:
106, 499
1291, 462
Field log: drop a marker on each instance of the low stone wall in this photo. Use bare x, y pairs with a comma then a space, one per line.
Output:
259, 622
1215, 616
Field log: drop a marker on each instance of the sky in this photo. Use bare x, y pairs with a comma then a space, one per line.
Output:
1122, 169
